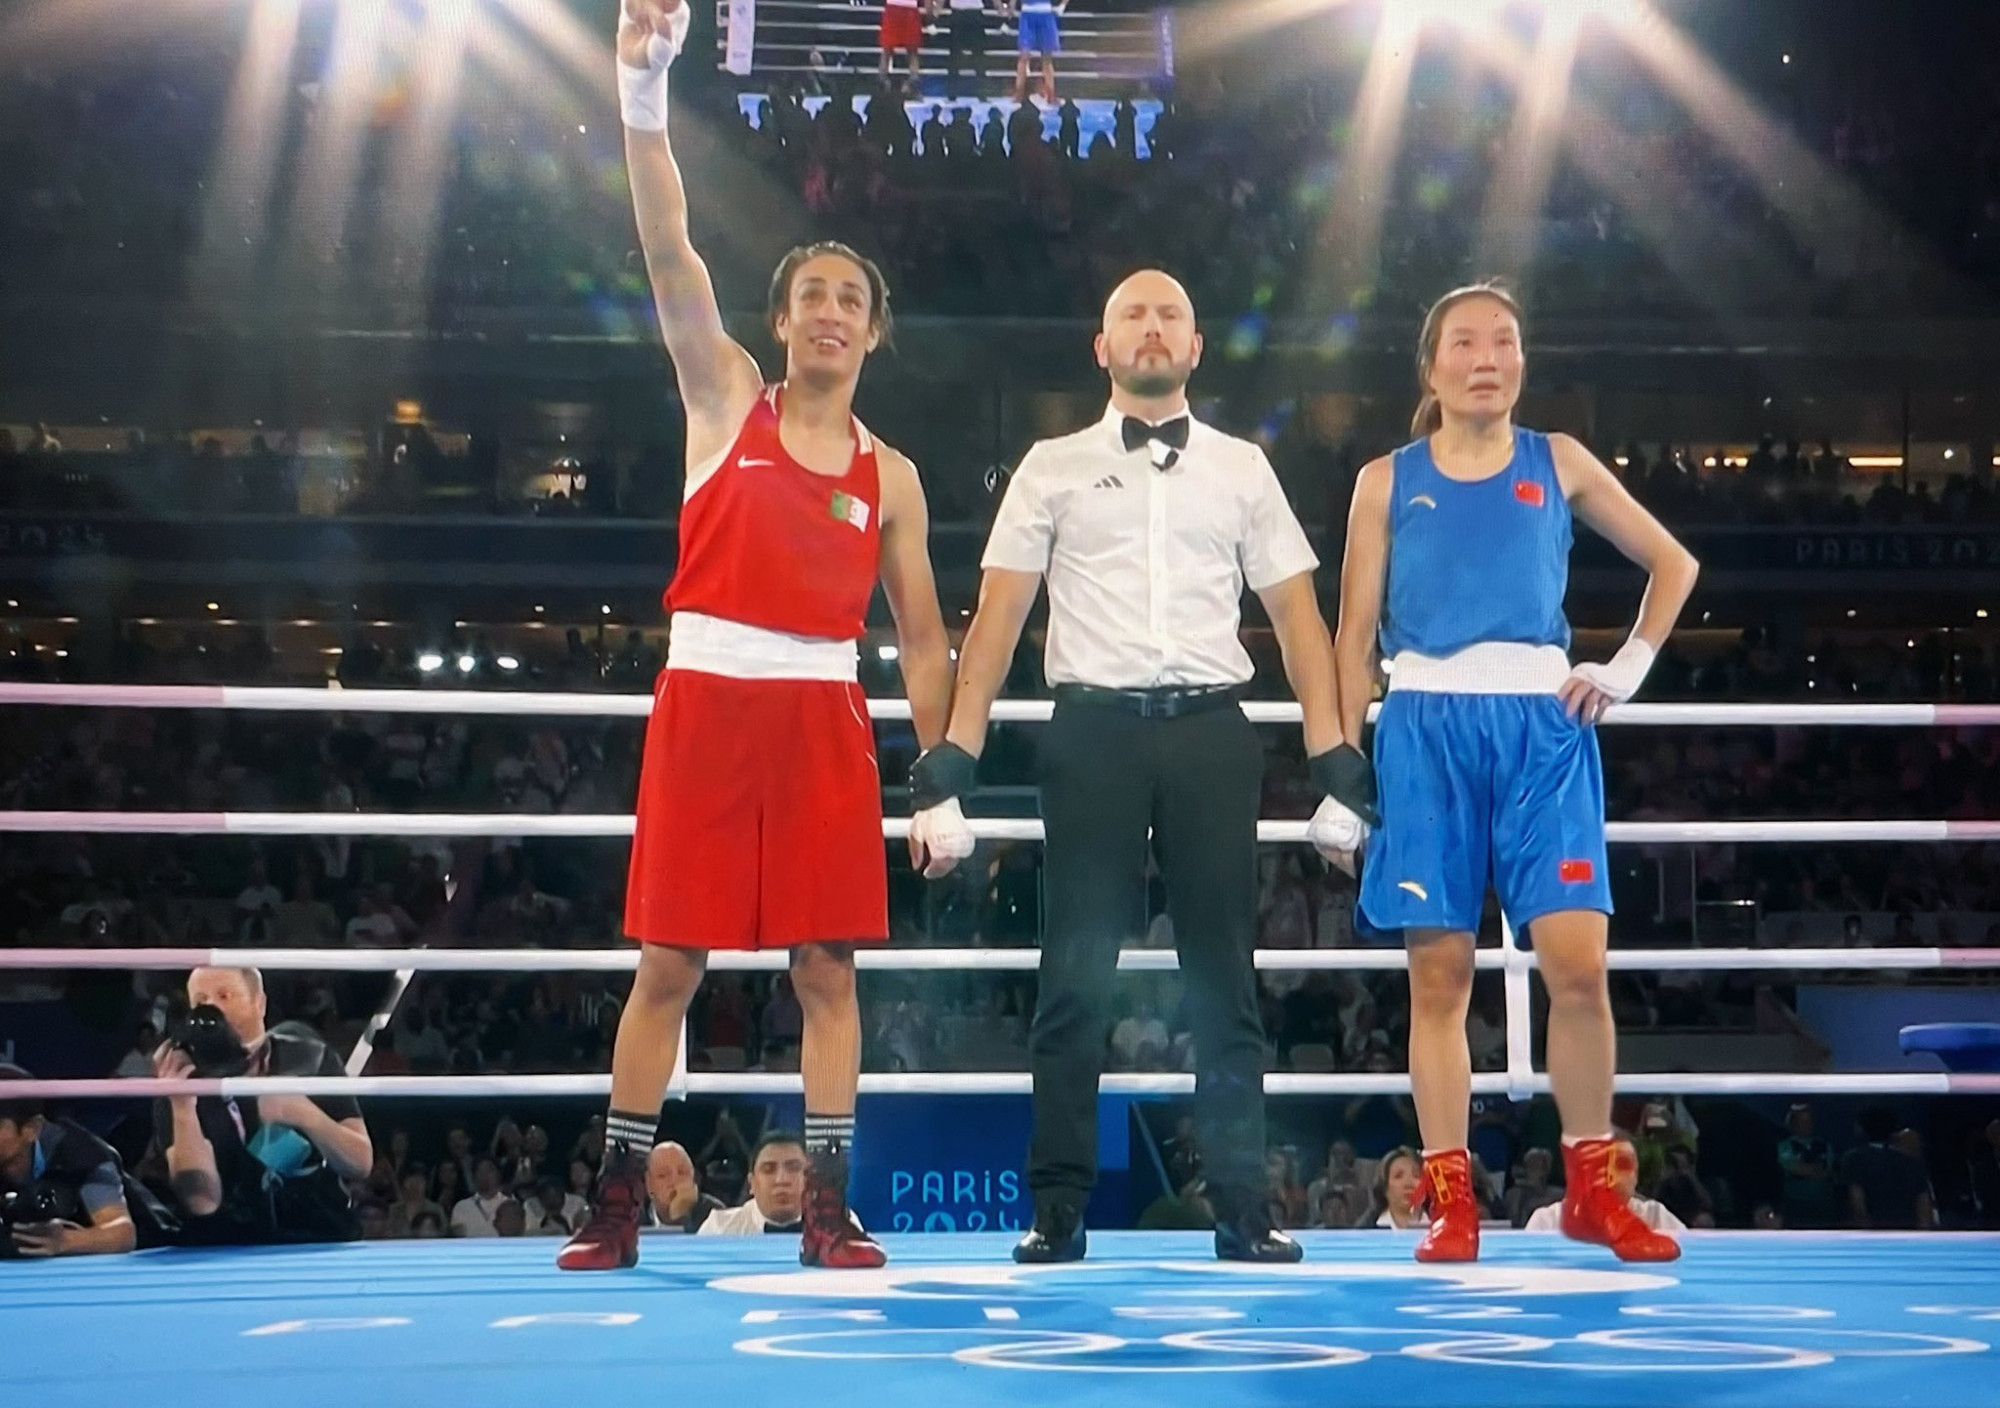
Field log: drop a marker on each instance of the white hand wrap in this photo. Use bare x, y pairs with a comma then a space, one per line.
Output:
642, 92
1336, 830
1621, 675
942, 832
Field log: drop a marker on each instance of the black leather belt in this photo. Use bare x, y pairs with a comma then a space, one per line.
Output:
1166, 702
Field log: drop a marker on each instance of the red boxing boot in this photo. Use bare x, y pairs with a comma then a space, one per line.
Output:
1597, 1206
609, 1241
1447, 1188
832, 1238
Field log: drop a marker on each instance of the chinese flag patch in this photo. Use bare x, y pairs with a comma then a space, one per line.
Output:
1528, 492
1577, 872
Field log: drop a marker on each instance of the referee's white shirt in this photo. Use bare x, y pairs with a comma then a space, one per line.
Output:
1146, 567
746, 1221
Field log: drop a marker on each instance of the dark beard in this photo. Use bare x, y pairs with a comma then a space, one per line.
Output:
1152, 385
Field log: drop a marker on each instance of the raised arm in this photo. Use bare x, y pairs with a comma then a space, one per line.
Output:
719, 380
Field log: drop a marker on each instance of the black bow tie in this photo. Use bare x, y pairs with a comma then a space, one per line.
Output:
1173, 432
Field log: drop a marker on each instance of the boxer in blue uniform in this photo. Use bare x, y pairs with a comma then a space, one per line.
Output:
1458, 560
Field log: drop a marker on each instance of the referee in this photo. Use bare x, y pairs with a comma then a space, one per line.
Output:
1147, 526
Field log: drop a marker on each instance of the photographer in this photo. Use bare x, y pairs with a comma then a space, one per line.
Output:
267, 1170
62, 1189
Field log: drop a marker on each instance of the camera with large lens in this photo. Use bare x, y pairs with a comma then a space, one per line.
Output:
38, 1202
211, 1043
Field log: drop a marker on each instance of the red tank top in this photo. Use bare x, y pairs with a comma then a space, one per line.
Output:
767, 542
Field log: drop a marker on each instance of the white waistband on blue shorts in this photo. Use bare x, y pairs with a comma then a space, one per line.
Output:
1490, 667
710, 645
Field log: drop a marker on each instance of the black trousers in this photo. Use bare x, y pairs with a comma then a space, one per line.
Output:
1106, 777
967, 53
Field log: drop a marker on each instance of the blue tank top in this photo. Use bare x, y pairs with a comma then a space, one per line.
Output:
1471, 563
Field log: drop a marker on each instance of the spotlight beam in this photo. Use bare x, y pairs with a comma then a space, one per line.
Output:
1353, 231
417, 188
237, 214
1656, 197
332, 158
1520, 188
1808, 192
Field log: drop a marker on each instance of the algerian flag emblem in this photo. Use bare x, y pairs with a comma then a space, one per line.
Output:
848, 509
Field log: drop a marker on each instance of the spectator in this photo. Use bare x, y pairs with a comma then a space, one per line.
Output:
1682, 1192
677, 1200
1140, 1039
1336, 1198
1886, 1188
1396, 1183
473, 1216
1186, 1209
1811, 1197
259, 896
552, 1212
1908, 1141
509, 1220
67, 1185
305, 920
1984, 1173
1653, 1214
264, 1171
428, 1224
458, 1155
412, 1202
1285, 1196
1533, 1187
777, 1191
138, 1062
422, 1044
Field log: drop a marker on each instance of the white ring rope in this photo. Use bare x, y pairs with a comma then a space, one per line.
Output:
1517, 1082
993, 1083
893, 828
951, 960
578, 705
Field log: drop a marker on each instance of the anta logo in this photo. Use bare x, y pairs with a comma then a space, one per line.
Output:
1576, 872
1529, 493
1423, 501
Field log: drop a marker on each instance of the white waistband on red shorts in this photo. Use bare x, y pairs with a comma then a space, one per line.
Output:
1490, 667
713, 646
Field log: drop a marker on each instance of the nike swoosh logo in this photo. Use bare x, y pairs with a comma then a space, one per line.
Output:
1423, 501
1414, 888
755, 464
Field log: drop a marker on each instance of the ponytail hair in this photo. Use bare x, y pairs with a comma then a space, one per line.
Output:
1430, 415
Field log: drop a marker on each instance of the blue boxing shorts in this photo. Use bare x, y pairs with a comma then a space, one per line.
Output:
1478, 791
1040, 33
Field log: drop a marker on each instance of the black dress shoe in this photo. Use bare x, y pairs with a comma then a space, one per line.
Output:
1238, 1241
1056, 1236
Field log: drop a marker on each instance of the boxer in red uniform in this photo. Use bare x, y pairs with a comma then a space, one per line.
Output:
760, 813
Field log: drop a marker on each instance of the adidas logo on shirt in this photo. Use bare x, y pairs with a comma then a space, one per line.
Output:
1109, 481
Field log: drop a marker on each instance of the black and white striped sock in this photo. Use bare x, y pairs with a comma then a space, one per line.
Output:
633, 1131
829, 1134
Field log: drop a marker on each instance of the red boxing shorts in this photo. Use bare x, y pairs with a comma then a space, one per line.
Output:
759, 817
902, 27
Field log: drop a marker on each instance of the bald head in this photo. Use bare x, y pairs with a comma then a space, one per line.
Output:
670, 1181
1148, 288
1149, 344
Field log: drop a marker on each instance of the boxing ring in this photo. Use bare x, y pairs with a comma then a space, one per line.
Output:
1830, 1320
